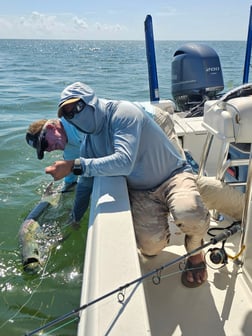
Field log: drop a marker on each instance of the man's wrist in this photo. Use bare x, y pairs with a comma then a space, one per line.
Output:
77, 167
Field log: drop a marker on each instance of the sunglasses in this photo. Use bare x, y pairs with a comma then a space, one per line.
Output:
78, 107
43, 142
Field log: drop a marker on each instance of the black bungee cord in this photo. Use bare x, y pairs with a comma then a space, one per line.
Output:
231, 230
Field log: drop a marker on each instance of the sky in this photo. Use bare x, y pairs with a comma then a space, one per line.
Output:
124, 19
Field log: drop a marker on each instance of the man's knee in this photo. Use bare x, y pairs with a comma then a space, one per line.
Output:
194, 222
151, 248
152, 243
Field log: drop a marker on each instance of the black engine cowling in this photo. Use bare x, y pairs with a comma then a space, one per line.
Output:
196, 75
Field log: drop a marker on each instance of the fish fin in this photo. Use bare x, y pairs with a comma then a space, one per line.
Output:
49, 189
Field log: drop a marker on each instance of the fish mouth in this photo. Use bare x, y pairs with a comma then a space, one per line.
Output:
31, 265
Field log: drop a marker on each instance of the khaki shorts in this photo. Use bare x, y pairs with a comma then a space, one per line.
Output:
179, 197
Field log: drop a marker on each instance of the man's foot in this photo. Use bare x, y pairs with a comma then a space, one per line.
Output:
195, 272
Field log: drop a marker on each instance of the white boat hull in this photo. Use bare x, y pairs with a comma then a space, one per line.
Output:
222, 306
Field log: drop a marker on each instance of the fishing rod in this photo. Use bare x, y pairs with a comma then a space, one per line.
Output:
231, 230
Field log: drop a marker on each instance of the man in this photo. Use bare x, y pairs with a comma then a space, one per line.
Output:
55, 134
121, 139
58, 134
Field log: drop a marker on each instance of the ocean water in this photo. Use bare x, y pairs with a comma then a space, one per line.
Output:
32, 75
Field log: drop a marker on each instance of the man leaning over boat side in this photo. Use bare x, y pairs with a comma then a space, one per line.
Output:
119, 142
47, 135
57, 134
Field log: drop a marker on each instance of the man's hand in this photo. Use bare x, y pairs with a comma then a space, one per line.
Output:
60, 169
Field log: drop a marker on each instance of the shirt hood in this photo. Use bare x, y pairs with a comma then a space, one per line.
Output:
79, 90
92, 114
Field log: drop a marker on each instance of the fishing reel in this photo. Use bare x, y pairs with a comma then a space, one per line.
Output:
218, 255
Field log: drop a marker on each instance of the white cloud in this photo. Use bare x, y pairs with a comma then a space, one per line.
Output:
63, 26
39, 22
80, 23
109, 28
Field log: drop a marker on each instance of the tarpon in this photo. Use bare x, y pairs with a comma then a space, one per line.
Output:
30, 234
34, 234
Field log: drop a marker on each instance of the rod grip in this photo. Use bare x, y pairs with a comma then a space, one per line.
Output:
226, 233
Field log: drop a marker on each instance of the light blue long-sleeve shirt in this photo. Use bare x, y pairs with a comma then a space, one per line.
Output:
121, 139
72, 147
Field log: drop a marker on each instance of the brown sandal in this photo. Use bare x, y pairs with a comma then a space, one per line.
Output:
195, 269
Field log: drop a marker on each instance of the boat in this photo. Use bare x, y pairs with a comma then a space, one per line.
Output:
125, 293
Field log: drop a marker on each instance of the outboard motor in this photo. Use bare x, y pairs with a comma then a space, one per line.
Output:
196, 77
